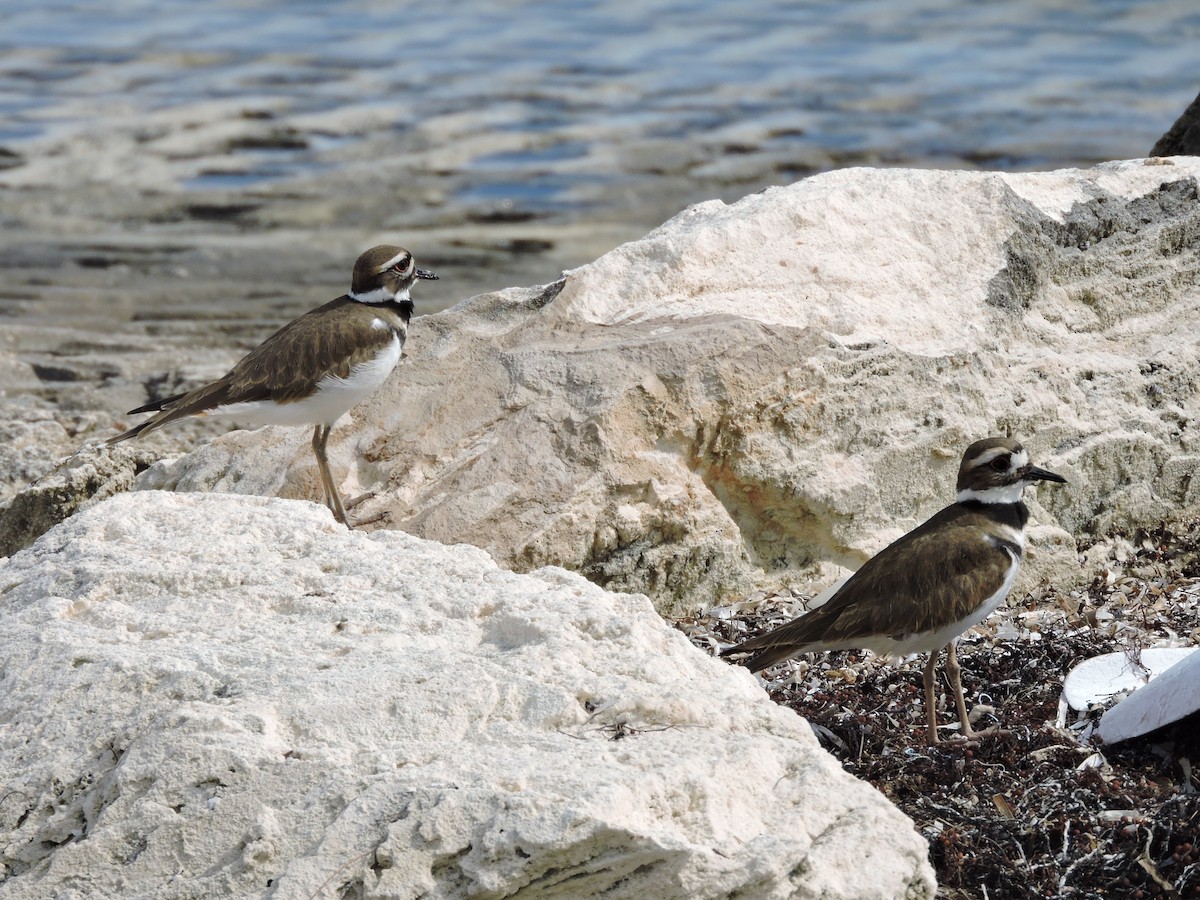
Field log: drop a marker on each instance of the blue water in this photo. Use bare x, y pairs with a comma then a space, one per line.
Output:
605, 90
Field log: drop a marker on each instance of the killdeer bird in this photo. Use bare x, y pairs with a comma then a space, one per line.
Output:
315, 368
921, 592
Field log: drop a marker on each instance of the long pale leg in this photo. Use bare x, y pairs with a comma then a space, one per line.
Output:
316, 447
332, 498
929, 676
955, 673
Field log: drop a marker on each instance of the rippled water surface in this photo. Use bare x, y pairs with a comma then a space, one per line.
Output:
607, 92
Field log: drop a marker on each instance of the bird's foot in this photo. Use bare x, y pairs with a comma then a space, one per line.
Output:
355, 522
968, 737
359, 500
382, 516
989, 732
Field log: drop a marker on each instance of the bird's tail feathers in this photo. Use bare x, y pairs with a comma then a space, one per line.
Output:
135, 431
172, 408
156, 405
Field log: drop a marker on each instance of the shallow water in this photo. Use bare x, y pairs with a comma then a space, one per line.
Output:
608, 93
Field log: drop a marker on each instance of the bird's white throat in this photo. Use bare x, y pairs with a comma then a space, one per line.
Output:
1008, 493
379, 295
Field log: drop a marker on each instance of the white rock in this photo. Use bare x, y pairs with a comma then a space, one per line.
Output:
205, 696
757, 391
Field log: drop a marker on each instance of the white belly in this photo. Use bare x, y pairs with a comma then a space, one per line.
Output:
333, 398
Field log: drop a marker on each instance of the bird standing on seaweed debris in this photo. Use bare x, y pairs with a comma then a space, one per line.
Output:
921, 592
315, 368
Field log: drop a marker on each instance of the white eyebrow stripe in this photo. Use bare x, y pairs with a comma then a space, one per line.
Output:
988, 455
1019, 457
395, 259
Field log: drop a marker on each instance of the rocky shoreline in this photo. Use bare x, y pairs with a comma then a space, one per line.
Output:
702, 405
754, 394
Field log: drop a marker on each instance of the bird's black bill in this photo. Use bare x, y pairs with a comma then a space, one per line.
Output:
421, 273
1033, 473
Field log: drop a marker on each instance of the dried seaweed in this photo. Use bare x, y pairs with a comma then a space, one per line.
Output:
1039, 811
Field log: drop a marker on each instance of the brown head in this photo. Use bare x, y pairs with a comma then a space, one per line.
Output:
996, 469
385, 273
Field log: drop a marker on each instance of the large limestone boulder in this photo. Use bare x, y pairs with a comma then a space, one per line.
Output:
205, 696
779, 387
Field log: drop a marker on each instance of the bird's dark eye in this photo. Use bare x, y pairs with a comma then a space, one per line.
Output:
1000, 463
401, 267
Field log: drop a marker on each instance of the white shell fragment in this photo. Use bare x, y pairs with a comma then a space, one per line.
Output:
1166, 698
1099, 680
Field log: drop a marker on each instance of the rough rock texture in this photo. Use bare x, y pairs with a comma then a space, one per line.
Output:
84, 478
1182, 138
759, 391
206, 696
34, 431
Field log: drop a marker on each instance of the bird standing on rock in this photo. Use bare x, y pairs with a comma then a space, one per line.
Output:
921, 592
315, 368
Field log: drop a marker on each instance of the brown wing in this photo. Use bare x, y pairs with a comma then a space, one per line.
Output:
329, 340
325, 341
888, 597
